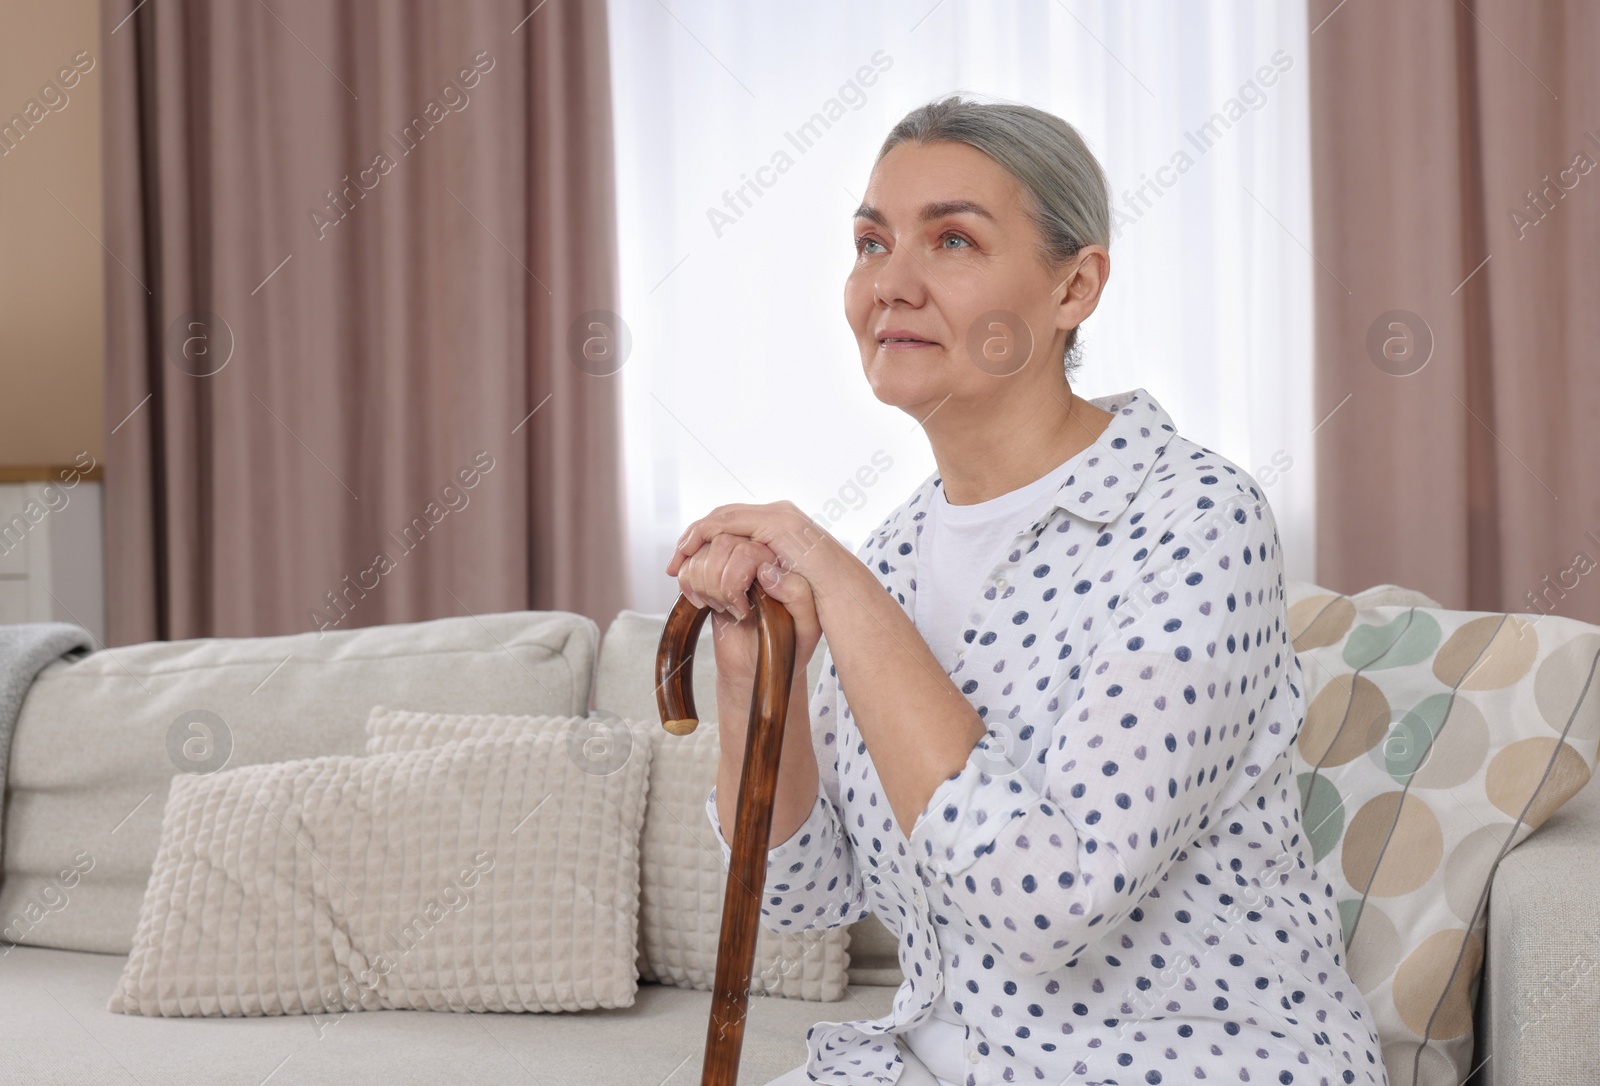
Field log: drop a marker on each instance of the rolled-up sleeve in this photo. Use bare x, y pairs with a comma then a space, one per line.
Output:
1167, 705
811, 881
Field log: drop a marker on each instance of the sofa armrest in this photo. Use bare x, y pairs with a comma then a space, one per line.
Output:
1539, 1010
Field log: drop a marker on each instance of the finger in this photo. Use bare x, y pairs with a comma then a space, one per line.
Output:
783, 585
691, 582
723, 564
679, 555
708, 573
696, 535
729, 568
795, 593
740, 573
687, 590
693, 578
680, 552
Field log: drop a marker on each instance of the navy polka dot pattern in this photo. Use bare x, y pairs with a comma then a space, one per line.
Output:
1117, 886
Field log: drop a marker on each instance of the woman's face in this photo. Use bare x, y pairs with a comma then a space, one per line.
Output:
947, 257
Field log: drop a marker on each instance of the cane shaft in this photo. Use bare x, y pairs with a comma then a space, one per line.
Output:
758, 786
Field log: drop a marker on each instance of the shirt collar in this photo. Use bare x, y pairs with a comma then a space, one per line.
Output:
1115, 467
1112, 470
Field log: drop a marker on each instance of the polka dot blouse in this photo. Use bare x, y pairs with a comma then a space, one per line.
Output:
1116, 887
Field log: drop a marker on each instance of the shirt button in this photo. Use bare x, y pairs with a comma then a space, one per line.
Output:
1001, 583
972, 1056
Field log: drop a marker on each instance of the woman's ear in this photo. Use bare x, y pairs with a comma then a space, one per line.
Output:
1082, 280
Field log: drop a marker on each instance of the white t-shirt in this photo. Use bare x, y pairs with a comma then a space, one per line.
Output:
959, 546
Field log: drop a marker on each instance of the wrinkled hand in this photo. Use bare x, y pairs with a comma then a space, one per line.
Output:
800, 543
722, 554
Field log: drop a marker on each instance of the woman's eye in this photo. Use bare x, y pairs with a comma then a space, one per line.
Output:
954, 237
862, 242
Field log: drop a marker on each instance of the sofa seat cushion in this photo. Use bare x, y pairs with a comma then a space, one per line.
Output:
98, 741
55, 1031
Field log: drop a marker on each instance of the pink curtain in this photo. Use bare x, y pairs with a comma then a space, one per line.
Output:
1456, 206
362, 358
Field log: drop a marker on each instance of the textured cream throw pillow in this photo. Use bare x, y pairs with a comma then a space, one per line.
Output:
481, 875
682, 881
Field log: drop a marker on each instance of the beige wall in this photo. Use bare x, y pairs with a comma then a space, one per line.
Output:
51, 267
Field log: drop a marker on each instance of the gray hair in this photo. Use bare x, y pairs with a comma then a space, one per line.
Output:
1070, 199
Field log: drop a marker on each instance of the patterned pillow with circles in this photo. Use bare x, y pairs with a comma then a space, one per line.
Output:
1435, 742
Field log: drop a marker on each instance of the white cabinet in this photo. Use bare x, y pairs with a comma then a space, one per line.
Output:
52, 553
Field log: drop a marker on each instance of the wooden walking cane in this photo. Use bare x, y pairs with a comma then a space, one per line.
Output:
752, 827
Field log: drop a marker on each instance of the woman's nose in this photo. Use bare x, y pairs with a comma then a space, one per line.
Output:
901, 277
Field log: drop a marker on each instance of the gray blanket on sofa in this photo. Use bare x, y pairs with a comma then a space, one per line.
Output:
24, 652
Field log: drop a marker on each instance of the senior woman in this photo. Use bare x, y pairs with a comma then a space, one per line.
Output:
1050, 747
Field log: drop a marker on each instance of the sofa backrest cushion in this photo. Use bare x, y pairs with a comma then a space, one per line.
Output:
98, 741
683, 886
625, 685
682, 880
625, 676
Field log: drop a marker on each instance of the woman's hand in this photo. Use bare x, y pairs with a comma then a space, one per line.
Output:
719, 575
902, 699
800, 543
716, 571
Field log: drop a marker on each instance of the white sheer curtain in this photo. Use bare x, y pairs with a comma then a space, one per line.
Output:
744, 383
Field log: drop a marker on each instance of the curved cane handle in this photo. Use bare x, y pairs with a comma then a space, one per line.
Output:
758, 785
675, 666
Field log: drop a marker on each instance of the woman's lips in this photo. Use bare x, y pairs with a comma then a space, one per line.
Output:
903, 344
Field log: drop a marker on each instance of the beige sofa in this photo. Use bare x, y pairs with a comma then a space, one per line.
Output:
94, 752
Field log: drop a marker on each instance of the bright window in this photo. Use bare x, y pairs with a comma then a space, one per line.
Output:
744, 383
